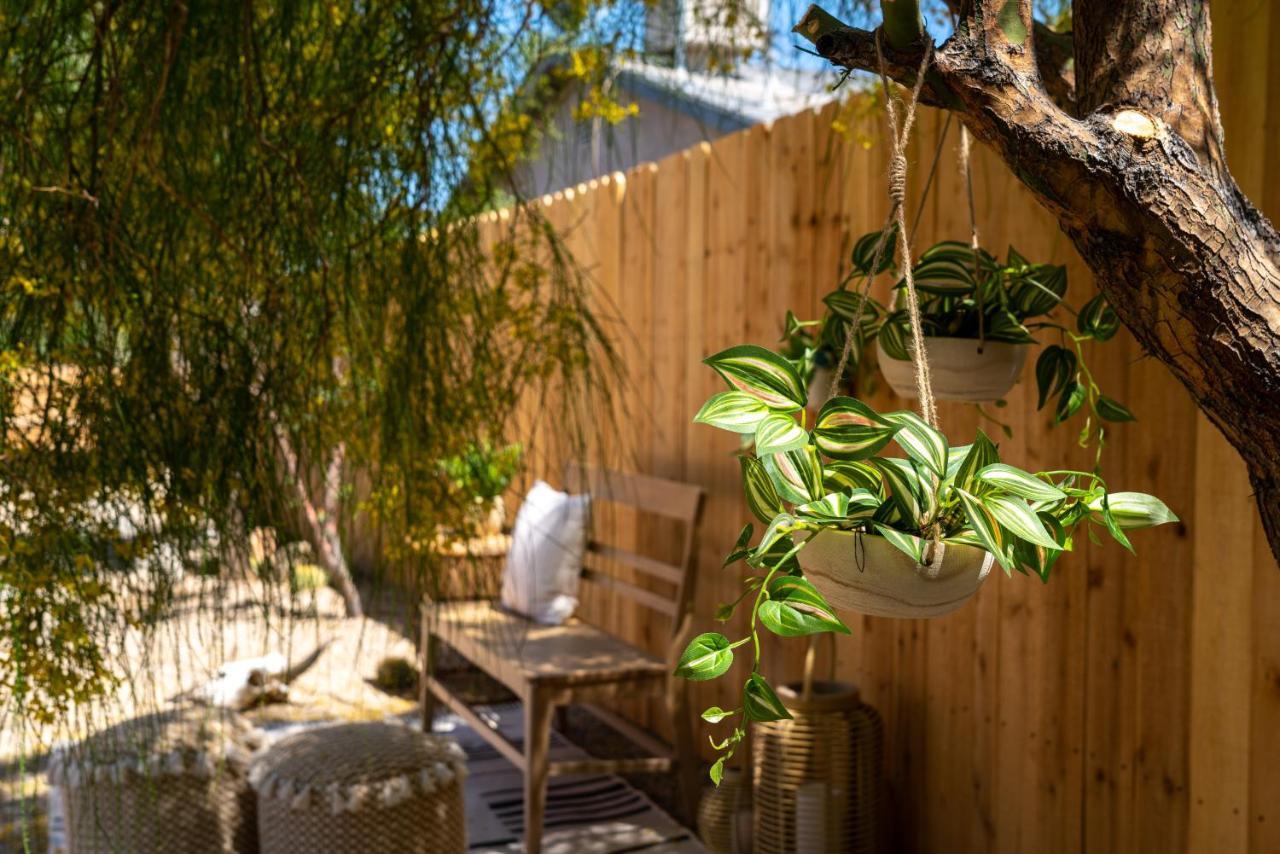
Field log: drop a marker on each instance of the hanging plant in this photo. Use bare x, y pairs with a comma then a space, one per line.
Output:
979, 316
845, 523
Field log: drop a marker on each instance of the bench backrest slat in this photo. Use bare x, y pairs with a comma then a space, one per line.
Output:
670, 499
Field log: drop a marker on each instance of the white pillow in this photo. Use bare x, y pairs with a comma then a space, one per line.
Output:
547, 544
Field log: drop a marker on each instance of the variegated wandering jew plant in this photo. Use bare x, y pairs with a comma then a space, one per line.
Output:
802, 478
967, 293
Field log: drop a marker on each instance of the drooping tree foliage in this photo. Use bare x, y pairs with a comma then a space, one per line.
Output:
238, 247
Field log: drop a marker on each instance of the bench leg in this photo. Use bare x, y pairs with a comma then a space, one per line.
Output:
537, 743
430, 653
686, 750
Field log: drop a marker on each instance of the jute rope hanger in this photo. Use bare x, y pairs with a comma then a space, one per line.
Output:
899, 134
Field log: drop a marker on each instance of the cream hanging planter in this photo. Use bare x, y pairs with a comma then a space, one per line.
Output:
963, 369
866, 574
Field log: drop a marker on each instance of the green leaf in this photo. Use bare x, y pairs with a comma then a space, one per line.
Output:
893, 336
763, 374
1054, 370
797, 474
864, 250
783, 525
982, 453
707, 656
921, 442
715, 715
777, 433
1112, 524
912, 547
902, 482
847, 429
1069, 404
942, 276
845, 304
1020, 483
987, 528
1019, 519
1133, 509
717, 769
735, 411
1098, 319
842, 476
762, 497
760, 703
796, 608
741, 547
1111, 410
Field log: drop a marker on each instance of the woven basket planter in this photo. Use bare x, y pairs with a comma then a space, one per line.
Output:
375, 788
866, 574
725, 812
172, 781
961, 369
819, 782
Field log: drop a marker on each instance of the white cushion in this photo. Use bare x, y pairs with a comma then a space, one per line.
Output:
545, 561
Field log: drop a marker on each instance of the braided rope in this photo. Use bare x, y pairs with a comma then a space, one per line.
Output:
898, 193
897, 212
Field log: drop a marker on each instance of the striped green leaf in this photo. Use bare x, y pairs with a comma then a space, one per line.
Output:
762, 497
965, 537
1019, 483
1054, 369
981, 454
783, 525
921, 442
912, 547
797, 474
902, 483
841, 506
777, 433
735, 411
761, 373
1112, 410
1133, 509
944, 277
1037, 290
843, 476
847, 429
795, 608
987, 529
1098, 319
865, 249
1015, 515
893, 336
845, 305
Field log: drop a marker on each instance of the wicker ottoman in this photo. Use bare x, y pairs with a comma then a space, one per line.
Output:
368, 787
171, 781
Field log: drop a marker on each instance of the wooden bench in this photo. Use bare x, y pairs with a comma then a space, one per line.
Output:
550, 667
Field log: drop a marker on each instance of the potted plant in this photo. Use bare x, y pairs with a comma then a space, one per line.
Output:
850, 527
979, 316
476, 479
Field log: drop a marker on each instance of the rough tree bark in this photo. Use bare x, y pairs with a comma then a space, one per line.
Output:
1125, 149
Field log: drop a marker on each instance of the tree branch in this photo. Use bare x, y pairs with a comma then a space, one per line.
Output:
903, 25
1154, 56
1055, 61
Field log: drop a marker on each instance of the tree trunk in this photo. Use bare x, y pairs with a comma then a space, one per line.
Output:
322, 522
1130, 161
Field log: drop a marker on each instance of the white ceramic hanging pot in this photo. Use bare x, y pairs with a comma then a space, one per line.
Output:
867, 574
960, 370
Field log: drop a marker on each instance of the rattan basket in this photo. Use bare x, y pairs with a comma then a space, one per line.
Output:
375, 788
171, 781
818, 777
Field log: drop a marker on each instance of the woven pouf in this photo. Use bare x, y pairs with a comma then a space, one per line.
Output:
171, 781
368, 787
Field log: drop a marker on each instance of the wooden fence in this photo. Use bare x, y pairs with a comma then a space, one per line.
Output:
1132, 703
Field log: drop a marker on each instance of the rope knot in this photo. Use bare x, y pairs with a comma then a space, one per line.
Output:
898, 178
